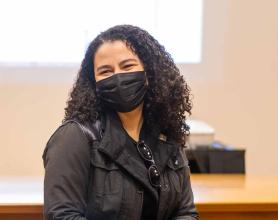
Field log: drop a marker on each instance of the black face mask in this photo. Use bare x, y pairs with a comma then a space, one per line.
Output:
122, 92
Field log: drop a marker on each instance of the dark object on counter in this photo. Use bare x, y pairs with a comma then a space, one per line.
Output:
216, 158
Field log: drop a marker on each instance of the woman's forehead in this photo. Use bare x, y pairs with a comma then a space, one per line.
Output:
114, 50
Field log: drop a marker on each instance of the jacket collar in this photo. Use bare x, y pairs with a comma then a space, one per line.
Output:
114, 142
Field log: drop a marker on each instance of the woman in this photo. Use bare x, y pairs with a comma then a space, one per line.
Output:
131, 98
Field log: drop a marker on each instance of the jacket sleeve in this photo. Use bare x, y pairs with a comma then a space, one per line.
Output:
66, 161
186, 209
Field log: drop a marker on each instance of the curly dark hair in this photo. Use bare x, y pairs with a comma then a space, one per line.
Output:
167, 98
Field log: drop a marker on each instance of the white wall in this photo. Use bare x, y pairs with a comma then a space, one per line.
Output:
235, 90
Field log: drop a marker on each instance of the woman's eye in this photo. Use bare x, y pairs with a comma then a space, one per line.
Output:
129, 65
103, 72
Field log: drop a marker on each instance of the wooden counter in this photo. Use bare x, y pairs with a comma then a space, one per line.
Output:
217, 196
21, 198
235, 196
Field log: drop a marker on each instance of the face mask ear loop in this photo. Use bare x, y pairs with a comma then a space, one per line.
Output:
147, 81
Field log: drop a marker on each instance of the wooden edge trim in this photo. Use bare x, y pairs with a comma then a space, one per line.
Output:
237, 207
20, 208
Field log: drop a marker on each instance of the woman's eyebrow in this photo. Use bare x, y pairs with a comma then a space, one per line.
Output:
103, 67
127, 60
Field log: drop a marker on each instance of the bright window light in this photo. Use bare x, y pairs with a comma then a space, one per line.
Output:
49, 32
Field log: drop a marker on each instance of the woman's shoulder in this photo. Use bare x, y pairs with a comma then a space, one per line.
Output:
66, 138
177, 152
68, 129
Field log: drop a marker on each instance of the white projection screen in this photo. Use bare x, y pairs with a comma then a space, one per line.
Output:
58, 31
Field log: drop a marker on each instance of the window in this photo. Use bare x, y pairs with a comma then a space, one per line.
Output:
53, 32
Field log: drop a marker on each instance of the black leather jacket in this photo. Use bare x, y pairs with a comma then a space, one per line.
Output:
99, 180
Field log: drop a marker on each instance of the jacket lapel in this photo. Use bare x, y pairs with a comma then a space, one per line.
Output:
114, 142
